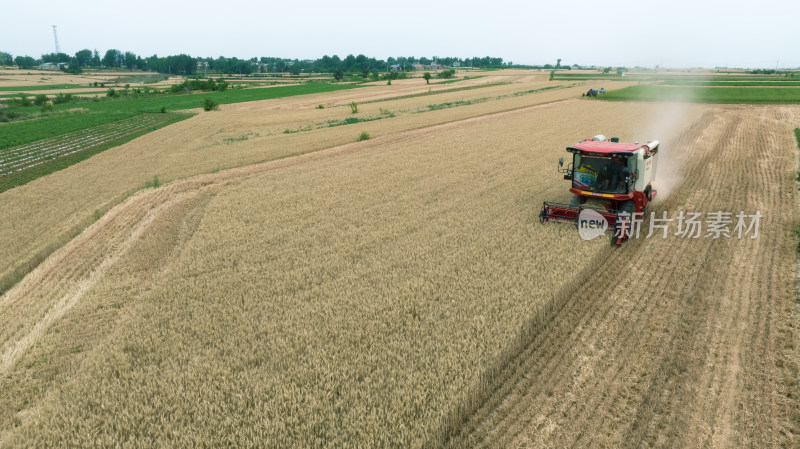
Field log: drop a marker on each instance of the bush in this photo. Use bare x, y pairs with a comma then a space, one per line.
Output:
364, 136
62, 98
40, 100
23, 100
111, 93
320, 107
449, 73
163, 109
154, 184
210, 105
353, 107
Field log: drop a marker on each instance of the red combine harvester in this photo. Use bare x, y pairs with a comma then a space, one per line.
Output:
612, 178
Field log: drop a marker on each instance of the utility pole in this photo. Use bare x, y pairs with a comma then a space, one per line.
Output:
58, 47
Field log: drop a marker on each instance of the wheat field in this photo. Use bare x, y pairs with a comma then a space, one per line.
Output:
52, 211
303, 289
694, 343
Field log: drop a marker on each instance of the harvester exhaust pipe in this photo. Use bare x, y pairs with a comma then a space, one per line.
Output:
653, 145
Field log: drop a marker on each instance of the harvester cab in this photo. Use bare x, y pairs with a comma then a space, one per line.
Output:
611, 178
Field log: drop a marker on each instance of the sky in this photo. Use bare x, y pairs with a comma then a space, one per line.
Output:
675, 33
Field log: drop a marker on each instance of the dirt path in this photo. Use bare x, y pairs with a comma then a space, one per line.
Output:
673, 342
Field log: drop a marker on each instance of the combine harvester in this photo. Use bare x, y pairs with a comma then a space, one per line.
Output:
612, 179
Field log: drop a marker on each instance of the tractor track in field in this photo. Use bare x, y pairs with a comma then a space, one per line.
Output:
687, 343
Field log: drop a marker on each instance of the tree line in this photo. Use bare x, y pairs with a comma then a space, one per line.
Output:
187, 65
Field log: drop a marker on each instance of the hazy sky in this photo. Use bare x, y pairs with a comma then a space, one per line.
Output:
671, 33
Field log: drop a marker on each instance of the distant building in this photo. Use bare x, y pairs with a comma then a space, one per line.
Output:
53, 66
456, 64
394, 67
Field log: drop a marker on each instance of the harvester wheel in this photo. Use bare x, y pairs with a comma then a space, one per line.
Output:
648, 192
627, 208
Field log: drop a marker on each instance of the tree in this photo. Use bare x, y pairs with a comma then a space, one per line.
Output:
55, 58
338, 75
112, 58
6, 58
24, 62
427, 77
84, 57
95, 59
130, 60
73, 67
558, 63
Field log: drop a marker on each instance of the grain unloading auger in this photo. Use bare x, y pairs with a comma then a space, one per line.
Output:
609, 178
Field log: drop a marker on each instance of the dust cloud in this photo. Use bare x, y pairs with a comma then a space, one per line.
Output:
667, 122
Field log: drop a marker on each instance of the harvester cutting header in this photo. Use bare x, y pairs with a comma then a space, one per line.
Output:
612, 178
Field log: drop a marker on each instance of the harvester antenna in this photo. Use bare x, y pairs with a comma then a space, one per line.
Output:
58, 47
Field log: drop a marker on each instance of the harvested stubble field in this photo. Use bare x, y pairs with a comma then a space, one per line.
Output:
15, 78
399, 292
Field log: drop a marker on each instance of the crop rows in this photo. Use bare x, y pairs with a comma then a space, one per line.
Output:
17, 159
691, 343
346, 301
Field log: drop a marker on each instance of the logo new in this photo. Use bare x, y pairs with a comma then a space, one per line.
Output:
591, 224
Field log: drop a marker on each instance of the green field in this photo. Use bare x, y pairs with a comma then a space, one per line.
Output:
93, 114
459, 79
174, 102
107, 110
93, 92
52, 159
755, 83
674, 78
19, 133
41, 87
725, 95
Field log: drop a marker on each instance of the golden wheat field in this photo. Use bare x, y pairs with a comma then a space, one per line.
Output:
304, 289
56, 208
